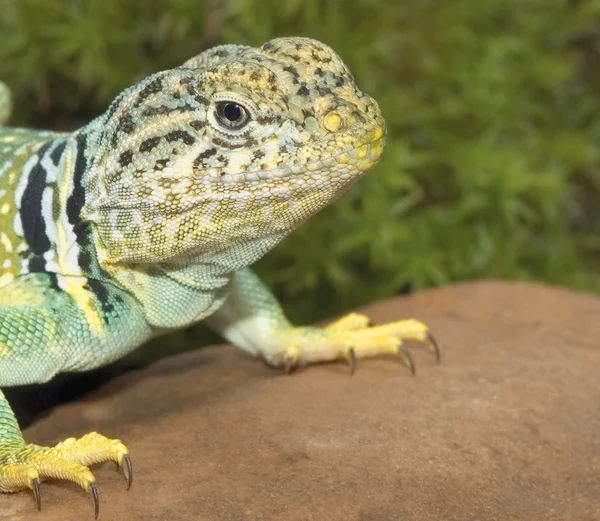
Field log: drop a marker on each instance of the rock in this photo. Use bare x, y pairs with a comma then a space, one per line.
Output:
506, 428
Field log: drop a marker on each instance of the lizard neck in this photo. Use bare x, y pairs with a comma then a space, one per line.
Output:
72, 251
184, 290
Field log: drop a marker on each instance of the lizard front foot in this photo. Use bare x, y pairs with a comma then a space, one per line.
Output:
350, 338
25, 465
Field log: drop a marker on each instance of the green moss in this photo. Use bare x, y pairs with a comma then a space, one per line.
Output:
491, 168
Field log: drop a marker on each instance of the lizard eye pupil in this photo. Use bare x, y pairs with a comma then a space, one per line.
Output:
232, 112
232, 115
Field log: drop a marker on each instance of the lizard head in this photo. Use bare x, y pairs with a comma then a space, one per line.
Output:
238, 145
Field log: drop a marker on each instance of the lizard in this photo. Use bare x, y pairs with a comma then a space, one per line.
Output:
148, 219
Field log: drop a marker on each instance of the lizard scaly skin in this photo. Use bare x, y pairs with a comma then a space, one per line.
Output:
147, 219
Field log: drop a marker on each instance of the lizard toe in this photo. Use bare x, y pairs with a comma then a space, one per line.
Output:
25, 465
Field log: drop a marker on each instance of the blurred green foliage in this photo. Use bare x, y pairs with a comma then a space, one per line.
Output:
492, 163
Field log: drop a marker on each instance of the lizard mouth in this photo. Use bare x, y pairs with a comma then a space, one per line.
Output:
340, 169
347, 164
364, 156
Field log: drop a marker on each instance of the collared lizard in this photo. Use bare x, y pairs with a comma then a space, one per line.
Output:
146, 220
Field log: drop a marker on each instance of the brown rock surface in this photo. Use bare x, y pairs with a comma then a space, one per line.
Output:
507, 428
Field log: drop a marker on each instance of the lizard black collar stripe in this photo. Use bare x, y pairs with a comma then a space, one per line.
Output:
34, 226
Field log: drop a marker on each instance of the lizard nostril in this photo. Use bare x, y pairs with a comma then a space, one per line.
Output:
333, 122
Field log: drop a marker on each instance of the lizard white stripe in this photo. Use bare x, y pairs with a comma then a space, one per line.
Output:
51, 230
68, 247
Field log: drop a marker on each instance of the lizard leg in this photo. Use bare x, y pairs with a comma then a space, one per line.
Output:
252, 319
42, 333
24, 465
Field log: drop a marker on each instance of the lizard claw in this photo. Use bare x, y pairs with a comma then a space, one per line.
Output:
128, 470
349, 338
67, 460
289, 365
35, 486
353, 360
93, 490
407, 358
433, 347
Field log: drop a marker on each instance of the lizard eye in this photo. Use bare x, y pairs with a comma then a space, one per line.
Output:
232, 115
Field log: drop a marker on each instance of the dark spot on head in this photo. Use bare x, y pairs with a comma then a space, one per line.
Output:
209, 152
126, 123
303, 91
319, 71
222, 53
258, 154
148, 144
197, 124
202, 100
307, 113
359, 116
160, 164
255, 76
125, 158
199, 161
188, 84
225, 144
156, 111
339, 82
153, 87
292, 70
180, 135
323, 91
266, 120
